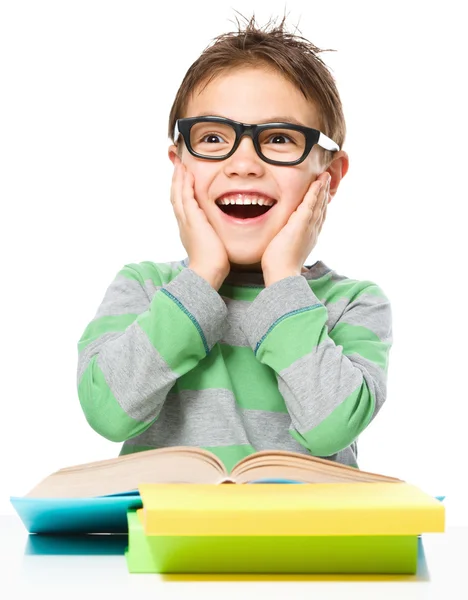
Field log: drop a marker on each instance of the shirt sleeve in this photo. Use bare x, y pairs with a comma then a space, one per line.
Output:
333, 382
135, 348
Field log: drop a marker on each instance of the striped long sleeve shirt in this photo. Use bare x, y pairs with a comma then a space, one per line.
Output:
299, 365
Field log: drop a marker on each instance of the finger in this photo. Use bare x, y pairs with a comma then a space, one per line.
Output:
311, 206
321, 201
310, 199
321, 219
326, 194
176, 193
188, 194
321, 189
313, 200
322, 206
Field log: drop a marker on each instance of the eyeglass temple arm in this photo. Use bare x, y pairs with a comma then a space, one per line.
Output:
325, 142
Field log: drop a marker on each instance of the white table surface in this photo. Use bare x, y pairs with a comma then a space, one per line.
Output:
32, 568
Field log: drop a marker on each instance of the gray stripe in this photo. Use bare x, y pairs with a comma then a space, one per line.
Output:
378, 319
92, 349
128, 296
270, 431
316, 389
196, 418
319, 382
166, 272
151, 288
372, 312
375, 377
202, 302
137, 375
123, 296
184, 421
347, 456
275, 304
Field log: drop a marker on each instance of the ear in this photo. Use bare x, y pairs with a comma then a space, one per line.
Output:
337, 168
172, 153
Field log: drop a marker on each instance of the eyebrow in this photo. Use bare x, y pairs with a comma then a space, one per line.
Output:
276, 119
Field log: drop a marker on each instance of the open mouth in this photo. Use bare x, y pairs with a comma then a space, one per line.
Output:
244, 211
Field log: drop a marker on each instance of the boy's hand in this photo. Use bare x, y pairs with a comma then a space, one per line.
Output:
207, 254
287, 251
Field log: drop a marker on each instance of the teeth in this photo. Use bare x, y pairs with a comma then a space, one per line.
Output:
242, 199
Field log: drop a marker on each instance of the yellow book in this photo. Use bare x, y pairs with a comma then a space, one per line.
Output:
297, 509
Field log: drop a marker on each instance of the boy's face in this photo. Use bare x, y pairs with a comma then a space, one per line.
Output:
252, 95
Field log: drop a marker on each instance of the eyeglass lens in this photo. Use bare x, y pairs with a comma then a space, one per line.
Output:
217, 139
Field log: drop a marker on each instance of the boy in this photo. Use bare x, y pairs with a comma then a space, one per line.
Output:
240, 347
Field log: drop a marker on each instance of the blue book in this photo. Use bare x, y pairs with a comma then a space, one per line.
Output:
101, 514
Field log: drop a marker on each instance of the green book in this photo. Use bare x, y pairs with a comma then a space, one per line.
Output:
268, 554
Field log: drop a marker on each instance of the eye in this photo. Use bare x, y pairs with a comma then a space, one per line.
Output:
281, 138
209, 138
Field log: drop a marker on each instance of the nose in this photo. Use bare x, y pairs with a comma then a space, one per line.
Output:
245, 160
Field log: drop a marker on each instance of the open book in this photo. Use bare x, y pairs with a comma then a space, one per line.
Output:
182, 464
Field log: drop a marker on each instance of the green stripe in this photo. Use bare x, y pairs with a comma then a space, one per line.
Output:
351, 289
158, 273
176, 338
323, 286
291, 338
362, 341
230, 455
342, 426
253, 384
132, 271
108, 324
102, 410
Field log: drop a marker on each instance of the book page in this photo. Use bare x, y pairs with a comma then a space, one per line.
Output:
122, 474
281, 464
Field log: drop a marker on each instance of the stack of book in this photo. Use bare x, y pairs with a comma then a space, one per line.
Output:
277, 528
185, 513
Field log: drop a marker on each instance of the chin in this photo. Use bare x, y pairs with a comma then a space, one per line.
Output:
244, 258
243, 261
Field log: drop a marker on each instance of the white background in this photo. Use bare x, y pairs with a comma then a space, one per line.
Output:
86, 89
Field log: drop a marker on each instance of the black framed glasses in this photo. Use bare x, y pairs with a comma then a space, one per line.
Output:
217, 138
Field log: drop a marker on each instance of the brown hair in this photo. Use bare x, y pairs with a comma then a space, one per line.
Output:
292, 56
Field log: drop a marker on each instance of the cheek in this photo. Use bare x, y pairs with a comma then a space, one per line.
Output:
293, 190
